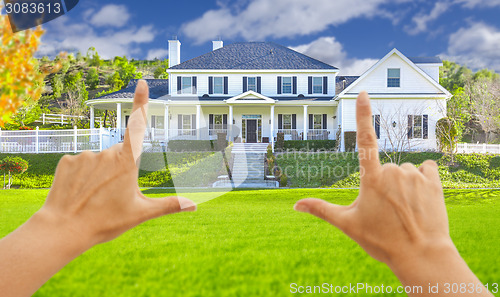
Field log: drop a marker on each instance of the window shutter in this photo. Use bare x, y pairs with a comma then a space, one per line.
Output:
311, 122
280, 121
325, 121
179, 84
425, 121
194, 83
210, 121
245, 84
259, 83
410, 127
294, 121
210, 85
377, 126
226, 87
325, 85
179, 122
279, 85
295, 85
310, 85
224, 121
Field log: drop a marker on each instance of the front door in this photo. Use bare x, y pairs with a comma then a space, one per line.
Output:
251, 131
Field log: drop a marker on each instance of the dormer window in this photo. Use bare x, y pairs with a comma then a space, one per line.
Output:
393, 78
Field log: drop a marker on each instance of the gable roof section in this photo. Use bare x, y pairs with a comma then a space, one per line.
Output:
250, 97
408, 61
425, 60
342, 82
253, 56
157, 89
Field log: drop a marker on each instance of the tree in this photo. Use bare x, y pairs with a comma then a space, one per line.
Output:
92, 79
93, 58
114, 81
27, 114
19, 76
12, 165
447, 135
485, 99
453, 76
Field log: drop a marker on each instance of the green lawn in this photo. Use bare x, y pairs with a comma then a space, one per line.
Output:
248, 243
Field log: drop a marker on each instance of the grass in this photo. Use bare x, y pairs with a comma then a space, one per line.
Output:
248, 243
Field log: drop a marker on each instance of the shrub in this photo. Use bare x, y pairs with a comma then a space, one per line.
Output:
13, 165
309, 145
191, 146
350, 141
446, 134
280, 142
221, 141
495, 162
283, 180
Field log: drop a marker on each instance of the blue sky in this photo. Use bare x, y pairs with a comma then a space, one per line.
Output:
349, 34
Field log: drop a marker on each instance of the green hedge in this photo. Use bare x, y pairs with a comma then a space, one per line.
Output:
350, 141
309, 145
192, 145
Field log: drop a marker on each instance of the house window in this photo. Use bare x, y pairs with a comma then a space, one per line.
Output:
218, 85
252, 84
186, 122
393, 78
157, 122
317, 85
287, 85
317, 121
287, 122
187, 85
418, 126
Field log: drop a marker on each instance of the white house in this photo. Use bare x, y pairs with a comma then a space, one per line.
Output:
263, 88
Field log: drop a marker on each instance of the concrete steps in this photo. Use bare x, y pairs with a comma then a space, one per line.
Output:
248, 167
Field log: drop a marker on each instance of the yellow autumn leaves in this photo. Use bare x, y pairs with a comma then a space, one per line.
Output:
20, 77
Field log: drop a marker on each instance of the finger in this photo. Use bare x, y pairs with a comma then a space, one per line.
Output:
334, 214
366, 138
134, 135
409, 167
430, 169
156, 207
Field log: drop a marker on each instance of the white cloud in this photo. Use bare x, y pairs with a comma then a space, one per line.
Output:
111, 15
478, 3
158, 53
279, 18
421, 20
64, 34
330, 51
476, 46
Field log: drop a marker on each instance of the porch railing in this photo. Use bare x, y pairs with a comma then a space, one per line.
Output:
312, 134
478, 148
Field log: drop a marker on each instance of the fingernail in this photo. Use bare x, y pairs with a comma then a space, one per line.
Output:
301, 207
186, 204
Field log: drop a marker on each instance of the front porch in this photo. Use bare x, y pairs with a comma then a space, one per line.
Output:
247, 118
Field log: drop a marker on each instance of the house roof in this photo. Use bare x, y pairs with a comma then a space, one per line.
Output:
219, 98
342, 82
426, 60
157, 89
253, 56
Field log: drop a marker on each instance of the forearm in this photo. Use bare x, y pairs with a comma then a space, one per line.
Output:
34, 252
439, 272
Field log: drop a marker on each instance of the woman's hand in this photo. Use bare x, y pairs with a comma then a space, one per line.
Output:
399, 216
94, 198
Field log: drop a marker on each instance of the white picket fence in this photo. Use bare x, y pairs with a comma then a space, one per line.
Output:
63, 119
57, 141
479, 148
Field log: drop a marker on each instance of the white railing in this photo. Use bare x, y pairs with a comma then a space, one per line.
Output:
290, 134
319, 134
49, 118
479, 148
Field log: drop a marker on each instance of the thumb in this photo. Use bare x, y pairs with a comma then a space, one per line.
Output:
156, 207
332, 213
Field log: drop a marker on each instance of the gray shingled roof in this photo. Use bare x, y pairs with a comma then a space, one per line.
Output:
425, 60
254, 56
157, 89
342, 82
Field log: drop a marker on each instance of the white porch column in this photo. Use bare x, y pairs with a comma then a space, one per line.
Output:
198, 121
271, 138
166, 121
119, 118
230, 124
92, 119
306, 122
